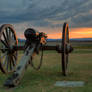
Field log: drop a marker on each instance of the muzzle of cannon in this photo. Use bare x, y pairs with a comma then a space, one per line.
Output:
35, 42
31, 34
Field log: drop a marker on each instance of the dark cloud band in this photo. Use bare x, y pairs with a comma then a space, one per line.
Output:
77, 12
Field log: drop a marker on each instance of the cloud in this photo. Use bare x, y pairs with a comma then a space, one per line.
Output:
47, 13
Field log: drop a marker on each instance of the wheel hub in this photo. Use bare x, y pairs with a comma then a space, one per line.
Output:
69, 48
11, 50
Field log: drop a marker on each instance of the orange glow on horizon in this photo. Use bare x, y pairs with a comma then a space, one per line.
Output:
73, 33
81, 33
54, 36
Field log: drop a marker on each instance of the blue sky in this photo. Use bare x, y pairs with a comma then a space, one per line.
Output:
46, 13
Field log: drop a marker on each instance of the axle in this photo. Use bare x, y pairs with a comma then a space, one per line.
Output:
58, 48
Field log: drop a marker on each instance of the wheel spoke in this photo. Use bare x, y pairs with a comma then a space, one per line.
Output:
10, 36
4, 43
7, 63
3, 49
11, 67
4, 62
13, 40
15, 56
3, 55
5, 39
7, 34
13, 61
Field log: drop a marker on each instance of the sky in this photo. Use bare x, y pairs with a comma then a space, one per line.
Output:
48, 16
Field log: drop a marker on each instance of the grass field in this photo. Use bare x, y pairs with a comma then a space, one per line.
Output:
80, 69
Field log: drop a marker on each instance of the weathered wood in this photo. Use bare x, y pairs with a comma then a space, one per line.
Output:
8, 39
20, 68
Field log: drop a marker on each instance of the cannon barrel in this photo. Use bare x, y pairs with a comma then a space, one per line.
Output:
31, 34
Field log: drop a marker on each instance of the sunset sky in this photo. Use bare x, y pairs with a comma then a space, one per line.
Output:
48, 16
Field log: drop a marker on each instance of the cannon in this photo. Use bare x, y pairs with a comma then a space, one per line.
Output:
35, 43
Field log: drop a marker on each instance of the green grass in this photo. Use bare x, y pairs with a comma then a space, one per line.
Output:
80, 69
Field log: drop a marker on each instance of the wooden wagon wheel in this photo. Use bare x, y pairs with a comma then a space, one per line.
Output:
8, 56
65, 44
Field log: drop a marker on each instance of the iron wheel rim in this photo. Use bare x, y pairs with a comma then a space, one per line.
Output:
65, 55
9, 39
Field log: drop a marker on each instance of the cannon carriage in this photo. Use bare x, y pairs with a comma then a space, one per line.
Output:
35, 43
